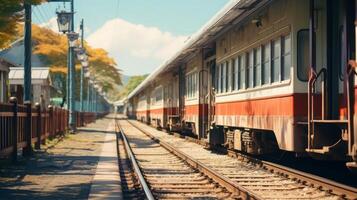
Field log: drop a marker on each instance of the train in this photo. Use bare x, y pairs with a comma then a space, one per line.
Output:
262, 76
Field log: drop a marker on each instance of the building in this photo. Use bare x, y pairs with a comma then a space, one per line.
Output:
41, 84
4, 79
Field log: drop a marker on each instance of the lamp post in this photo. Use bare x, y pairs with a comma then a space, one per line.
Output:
27, 54
65, 22
27, 76
86, 76
82, 57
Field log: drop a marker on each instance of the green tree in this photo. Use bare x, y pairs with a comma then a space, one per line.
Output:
133, 82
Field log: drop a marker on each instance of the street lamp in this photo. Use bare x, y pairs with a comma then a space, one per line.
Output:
84, 63
81, 54
66, 25
87, 74
64, 20
72, 38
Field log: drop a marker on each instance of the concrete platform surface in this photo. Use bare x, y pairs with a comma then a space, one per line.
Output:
106, 183
67, 168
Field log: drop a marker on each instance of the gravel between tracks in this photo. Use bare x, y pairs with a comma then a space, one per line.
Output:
167, 175
250, 176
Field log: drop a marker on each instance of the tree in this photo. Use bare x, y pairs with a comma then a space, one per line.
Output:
10, 16
133, 82
52, 48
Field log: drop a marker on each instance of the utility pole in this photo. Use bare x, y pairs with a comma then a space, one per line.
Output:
72, 71
88, 96
27, 128
82, 73
28, 51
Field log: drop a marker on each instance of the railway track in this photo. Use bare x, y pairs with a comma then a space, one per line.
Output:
262, 179
154, 172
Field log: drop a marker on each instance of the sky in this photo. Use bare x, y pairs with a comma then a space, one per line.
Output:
138, 34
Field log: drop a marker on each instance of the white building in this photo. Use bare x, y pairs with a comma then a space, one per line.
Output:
4, 80
41, 84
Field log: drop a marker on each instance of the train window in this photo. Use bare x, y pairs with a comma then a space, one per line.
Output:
191, 89
276, 63
194, 85
266, 64
218, 78
242, 72
257, 66
250, 63
303, 55
234, 74
186, 86
228, 74
286, 56
191, 85
224, 77
158, 95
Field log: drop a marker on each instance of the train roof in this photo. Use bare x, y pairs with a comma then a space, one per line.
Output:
234, 12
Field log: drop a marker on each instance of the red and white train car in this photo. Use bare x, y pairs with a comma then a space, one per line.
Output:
262, 76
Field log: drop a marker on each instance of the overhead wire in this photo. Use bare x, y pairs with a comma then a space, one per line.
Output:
40, 17
116, 14
47, 10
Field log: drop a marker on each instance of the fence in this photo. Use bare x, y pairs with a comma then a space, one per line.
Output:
23, 125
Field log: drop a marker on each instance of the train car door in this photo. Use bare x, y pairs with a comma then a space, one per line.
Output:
212, 93
332, 31
181, 97
203, 103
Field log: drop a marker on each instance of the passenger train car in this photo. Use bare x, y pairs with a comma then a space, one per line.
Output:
262, 76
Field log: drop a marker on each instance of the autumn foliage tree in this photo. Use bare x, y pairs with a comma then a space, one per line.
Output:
52, 48
10, 15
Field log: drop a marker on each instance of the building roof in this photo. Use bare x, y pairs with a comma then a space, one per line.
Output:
39, 75
5, 65
14, 53
234, 12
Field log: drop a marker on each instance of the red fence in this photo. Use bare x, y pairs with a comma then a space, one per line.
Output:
23, 125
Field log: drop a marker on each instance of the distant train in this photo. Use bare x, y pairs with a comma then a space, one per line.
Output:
262, 76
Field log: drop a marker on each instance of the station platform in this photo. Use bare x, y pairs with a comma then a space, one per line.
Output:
77, 166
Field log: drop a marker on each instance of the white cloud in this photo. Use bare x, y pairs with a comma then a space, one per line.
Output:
137, 48
51, 24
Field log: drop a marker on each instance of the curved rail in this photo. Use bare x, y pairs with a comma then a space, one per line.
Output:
135, 165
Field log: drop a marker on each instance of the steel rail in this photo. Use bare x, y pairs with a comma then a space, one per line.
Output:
135, 165
333, 187
231, 186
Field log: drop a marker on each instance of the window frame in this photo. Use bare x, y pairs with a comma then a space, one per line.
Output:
242, 72
266, 48
192, 81
250, 68
273, 58
283, 56
257, 65
298, 46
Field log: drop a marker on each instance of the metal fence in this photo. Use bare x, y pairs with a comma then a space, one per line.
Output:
23, 125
